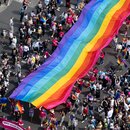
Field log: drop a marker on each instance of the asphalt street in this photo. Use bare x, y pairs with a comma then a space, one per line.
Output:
13, 11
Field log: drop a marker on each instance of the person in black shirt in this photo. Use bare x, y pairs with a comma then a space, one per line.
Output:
104, 104
90, 106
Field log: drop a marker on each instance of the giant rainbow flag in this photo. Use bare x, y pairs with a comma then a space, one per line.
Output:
76, 54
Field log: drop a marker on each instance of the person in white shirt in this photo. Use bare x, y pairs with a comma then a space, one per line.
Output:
25, 19
35, 46
25, 51
112, 102
128, 42
118, 48
33, 14
75, 123
14, 42
11, 24
11, 35
4, 33
46, 2
126, 106
110, 113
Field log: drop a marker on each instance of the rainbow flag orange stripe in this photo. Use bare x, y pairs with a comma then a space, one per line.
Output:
76, 54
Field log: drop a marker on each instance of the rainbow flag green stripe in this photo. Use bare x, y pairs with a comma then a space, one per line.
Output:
55, 81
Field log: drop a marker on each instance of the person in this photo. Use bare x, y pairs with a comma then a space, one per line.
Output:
46, 2
25, 51
75, 124
25, 4
4, 33
62, 117
28, 128
85, 113
31, 113
71, 118
68, 106
68, 3
42, 115
54, 44
77, 3
90, 126
59, 2
17, 115
20, 122
97, 92
99, 126
101, 60
11, 24
3, 102
22, 13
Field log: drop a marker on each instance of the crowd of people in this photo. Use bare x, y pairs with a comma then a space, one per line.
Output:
101, 98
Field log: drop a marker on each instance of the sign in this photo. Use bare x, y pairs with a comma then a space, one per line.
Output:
10, 125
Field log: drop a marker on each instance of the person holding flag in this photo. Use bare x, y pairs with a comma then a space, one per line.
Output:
18, 110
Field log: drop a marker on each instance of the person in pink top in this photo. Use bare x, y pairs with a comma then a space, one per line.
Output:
46, 55
42, 115
101, 60
61, 34
20, 50
54, 44
69, 21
